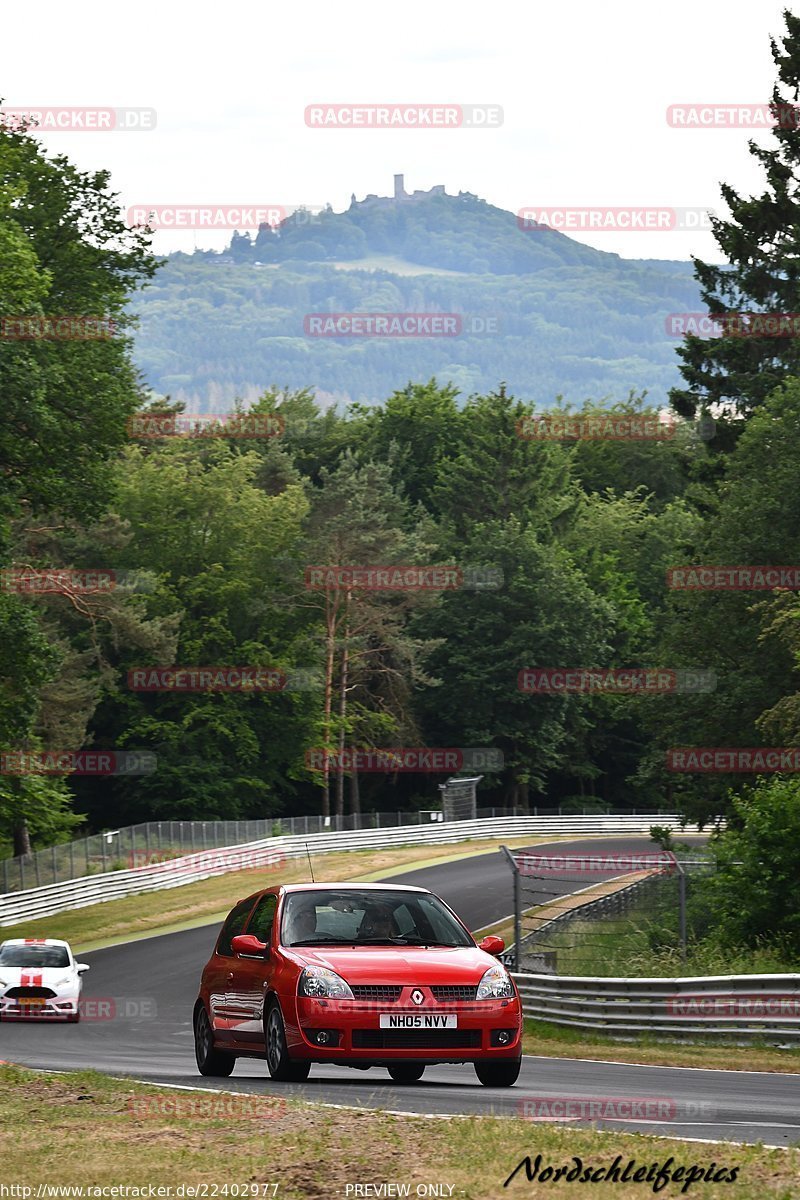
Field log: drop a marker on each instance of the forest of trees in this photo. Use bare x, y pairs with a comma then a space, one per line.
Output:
219, 532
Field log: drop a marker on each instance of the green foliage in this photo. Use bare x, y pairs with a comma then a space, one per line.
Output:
756, 890
759, 245
662, 836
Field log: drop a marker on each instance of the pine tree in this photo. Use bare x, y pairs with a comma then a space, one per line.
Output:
761, 242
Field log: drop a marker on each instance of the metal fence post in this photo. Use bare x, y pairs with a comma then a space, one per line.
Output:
517, 912
682, 909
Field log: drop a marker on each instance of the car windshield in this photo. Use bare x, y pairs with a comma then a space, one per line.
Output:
33, 956
379, 918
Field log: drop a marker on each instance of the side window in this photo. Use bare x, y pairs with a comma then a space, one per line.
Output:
234, 925
260, 924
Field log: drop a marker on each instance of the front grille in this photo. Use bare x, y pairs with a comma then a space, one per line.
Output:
455, 992
387, 993
416, 1039
29, 993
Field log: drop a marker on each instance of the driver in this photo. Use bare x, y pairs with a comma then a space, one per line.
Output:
378, 922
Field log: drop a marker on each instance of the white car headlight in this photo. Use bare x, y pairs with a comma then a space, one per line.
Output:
495, 985
320, 981
63, 982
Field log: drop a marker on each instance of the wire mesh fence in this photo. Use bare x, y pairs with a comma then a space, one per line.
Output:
156, 841
607, 913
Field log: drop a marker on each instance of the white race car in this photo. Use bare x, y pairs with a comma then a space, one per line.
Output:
39, 978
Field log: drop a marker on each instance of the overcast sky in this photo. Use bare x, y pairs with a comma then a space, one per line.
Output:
584, 89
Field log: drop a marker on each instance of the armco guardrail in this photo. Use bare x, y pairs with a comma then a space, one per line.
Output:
94, 889
741, 1006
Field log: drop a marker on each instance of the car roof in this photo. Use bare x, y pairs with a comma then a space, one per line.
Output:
286, 888
34, 942
352, 887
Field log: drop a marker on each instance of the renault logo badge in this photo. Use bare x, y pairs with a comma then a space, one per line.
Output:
417, 996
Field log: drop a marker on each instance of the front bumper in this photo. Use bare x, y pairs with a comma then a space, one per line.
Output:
56, 1008
357, 1036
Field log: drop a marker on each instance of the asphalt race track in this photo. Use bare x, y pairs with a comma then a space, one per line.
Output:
151, 987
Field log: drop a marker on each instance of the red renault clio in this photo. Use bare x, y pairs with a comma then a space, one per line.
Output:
360, 975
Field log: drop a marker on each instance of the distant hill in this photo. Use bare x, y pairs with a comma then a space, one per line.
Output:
537, 309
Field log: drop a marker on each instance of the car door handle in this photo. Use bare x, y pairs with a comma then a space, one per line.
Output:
230, 975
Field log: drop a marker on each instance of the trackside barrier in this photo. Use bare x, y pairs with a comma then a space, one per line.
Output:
95, 889
741, 1006
610, 904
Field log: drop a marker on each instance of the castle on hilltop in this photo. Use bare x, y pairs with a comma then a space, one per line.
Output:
401, 196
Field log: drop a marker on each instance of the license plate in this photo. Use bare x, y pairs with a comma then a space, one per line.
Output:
418, 1021
33, 1002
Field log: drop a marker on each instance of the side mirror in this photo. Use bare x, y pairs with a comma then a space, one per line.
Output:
82, 968
492, 944
249, 945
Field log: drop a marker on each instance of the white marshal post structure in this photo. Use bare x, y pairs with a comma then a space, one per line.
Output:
459, 797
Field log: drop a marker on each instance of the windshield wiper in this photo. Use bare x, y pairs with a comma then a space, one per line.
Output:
320, 941
403, 941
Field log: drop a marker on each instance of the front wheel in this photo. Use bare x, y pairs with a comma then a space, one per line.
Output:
502, 1073
280, 1065
209, 1060
406, 1072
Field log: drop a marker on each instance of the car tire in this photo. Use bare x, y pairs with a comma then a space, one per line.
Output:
502, 1073
73, 1018
280, 1066
209, 1060
407, 1072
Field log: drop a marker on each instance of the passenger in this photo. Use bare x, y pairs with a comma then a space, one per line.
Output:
303, 923
378, 922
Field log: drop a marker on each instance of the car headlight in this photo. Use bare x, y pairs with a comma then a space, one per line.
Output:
63, 982
495, 985
320, 981
3, 983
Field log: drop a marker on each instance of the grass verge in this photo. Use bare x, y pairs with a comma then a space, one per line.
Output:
86, 1129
